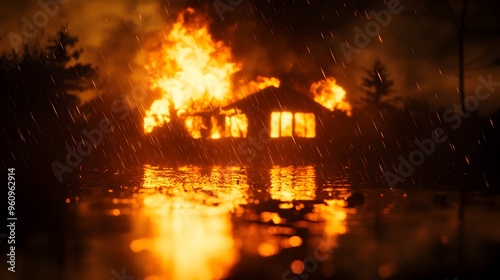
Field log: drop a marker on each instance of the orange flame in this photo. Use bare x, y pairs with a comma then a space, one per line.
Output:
329, 94
259, 83
158, 114
193, 72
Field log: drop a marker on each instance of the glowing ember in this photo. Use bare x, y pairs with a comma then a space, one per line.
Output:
329, 94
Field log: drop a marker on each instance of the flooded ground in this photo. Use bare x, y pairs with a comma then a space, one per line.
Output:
297, 223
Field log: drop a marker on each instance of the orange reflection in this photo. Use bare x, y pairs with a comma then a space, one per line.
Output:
295, 241
187, 221
196, 220
293, 187
293, 183
267, 249
334, 213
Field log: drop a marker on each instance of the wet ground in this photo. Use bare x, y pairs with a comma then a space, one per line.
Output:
295, 223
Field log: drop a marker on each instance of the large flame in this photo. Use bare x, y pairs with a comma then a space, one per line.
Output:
194, 73
329, 94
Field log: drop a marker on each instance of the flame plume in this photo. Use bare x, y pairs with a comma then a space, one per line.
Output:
191, 69
193, 72
329, 94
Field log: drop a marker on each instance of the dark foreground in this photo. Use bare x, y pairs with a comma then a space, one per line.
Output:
247, 223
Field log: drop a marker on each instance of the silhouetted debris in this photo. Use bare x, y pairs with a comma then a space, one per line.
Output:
356, 199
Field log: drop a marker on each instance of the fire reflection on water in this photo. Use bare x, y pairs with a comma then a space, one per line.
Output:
293, 183
188, 213
254, 223
197, 223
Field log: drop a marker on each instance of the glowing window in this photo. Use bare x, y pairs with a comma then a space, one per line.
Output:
275, 124
286, 124
305, 125
300, 124
236, 125
310, 125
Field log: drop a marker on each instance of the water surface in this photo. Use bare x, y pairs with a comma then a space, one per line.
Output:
286, 222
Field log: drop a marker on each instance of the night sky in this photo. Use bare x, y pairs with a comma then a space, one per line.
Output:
297, 41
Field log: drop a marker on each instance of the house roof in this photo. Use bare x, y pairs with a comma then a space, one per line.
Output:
278, 99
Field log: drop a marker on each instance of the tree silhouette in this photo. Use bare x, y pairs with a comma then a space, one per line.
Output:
377, 87
40, 108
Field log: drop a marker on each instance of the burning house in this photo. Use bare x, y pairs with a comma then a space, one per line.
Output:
276, 125
282, 112
204, 112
